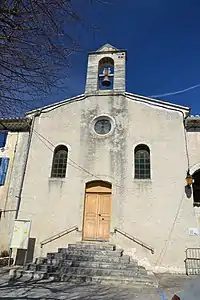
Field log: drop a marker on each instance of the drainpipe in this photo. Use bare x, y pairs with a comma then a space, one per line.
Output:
25, 165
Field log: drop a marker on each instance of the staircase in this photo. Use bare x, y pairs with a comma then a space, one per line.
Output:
87, 262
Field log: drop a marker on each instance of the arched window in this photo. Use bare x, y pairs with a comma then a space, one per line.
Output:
196, 188
59, 164
106, 73
142, 162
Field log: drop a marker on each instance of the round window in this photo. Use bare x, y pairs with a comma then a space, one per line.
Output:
102, 126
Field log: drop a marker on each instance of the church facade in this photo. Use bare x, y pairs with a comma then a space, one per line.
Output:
112, 165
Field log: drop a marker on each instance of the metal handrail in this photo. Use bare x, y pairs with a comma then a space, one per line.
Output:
58, 235
134, 239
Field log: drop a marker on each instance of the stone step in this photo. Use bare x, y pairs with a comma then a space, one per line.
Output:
54, 261
135, 282
86, 262
41, 267
92, 246
53, 255
104, 258
134, 272
91, 252
86, 257
140, 282
26, 274
41, 260
99, 264
67, 265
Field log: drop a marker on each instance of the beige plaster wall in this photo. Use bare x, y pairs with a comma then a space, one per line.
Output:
8, 151
15, 149
156, 211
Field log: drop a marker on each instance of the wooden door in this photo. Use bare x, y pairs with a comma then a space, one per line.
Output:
104, 209
91, 213
96, 224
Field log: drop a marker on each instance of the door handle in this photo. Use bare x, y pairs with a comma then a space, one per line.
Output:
99, 215
102, 219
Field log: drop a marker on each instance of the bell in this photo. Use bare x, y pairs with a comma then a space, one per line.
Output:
106, 81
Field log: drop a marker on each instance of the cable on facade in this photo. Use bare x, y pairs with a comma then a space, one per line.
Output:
163, 251
76, 167
172, 109
80, 167
83, 96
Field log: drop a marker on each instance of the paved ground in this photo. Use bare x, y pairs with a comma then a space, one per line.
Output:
168, 285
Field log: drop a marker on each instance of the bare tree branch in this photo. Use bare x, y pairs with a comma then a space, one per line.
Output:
36, 42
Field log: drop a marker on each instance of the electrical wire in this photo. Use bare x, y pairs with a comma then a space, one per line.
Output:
186, 148
77, 166
80, 168
173, 109
99, 178
177, 92
83, 96
164, 249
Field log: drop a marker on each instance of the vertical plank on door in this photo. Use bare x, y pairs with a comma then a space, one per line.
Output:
91, 216
104, 211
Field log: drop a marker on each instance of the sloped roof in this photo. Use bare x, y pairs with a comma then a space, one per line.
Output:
15, 124
56, 105
107, 47
193, 122
159, 103
133, 97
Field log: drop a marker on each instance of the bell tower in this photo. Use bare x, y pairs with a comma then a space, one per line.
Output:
106, 70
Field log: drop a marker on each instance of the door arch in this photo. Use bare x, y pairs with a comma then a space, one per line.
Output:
97, 210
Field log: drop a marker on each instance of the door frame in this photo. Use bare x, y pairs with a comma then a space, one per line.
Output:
96, 187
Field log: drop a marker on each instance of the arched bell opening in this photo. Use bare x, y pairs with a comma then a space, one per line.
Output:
106, 73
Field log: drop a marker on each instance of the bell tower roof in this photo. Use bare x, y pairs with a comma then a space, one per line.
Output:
107, 48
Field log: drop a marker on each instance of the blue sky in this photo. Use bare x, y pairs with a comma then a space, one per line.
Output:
162, 38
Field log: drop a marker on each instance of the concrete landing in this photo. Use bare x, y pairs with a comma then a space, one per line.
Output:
168, 286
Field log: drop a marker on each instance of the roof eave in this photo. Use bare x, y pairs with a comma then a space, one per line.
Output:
192, 122
32, 112
160, 102
15, 125
108, 51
